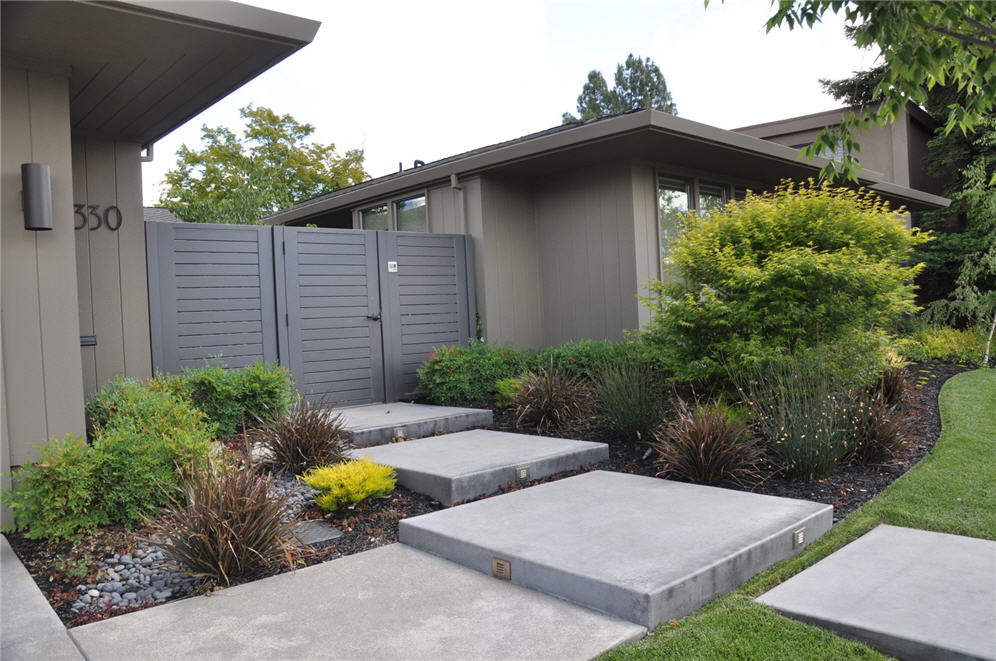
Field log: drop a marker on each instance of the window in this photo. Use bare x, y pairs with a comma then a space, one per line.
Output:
712, 197
411, 216
673, 198
375, 218
405, 215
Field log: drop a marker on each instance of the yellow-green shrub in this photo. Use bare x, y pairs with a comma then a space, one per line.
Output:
942, 343
807, 264
350, 482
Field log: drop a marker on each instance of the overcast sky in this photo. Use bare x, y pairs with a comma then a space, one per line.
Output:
425, 80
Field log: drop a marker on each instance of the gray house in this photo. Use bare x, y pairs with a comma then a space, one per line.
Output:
86, 89
569, 224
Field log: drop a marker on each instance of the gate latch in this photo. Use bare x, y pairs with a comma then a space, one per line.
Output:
374, 317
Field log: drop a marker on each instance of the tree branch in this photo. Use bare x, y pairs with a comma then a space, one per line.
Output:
979, 25
967, 38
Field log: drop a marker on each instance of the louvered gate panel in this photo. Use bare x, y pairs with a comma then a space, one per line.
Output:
210, 295
427, 294
329, 302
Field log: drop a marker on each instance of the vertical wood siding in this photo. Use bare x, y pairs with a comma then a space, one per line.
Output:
42, 370
588, 249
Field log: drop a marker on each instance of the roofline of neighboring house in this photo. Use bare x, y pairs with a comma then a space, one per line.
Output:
817, 120
567, 137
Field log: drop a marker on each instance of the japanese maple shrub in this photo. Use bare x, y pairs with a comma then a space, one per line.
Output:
806, 264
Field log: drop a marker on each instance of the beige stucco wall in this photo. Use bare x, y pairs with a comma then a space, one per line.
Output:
111, 269
42, 383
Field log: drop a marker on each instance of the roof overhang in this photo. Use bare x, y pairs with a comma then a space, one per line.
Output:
137, 70
646, 135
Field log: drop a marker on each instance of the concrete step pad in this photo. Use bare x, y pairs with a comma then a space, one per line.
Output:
458, 467
910, 593
640, 548
389, 603
374, 424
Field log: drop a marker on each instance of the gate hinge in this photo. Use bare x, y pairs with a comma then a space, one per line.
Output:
283, 247
287, 319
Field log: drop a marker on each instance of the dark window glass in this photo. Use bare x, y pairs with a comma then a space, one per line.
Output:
672, 202
411, 215
375, 218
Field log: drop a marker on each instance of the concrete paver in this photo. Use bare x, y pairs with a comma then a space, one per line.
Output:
393, 602
29, 628
457, 467
374, 424
643, 549
910, 593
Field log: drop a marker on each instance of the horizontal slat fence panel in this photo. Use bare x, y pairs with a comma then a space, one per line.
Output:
211, 297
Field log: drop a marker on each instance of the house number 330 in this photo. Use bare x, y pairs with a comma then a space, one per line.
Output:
95, 216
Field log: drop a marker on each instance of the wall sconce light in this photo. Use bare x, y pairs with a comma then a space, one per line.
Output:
36, 196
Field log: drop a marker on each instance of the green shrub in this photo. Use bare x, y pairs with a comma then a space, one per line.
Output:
586, 359
801, 266
350, 482
58, 495
631, 394
152, 434
231, 398
223, 523
951, 345
548, 400
308, 435
707, 444
456, 376
506, 390
144, 435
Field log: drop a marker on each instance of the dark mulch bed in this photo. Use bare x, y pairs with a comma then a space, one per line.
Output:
57, 567
847, 489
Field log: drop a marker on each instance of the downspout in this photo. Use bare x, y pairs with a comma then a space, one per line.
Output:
461, 203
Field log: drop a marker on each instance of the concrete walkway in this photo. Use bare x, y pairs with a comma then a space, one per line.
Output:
909, 593
389, 603
29, 628
458, 467
374, 424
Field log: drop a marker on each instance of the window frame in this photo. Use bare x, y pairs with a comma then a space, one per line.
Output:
392, 210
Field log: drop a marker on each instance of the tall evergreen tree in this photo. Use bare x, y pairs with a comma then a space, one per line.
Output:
639, 83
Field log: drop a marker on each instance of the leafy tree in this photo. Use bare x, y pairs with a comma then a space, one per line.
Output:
639, 84
951, 43
959, 277
243, 179
777, 273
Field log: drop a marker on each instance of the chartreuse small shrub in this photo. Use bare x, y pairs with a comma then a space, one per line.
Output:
951, 345
223, 522
506, 390
804, 265
631, 395
231, 398
350, 482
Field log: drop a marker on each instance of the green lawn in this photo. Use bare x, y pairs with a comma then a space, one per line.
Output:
952, 490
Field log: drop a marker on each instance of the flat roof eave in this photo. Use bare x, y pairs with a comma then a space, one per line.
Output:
146, 67
559, 139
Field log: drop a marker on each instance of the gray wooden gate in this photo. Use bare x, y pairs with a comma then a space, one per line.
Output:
351, 313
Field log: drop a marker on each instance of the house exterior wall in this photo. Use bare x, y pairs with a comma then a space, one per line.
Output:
510, 294
42, 371
110, 265
587, 243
